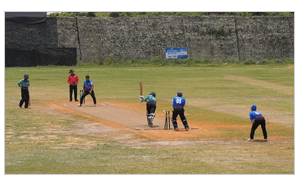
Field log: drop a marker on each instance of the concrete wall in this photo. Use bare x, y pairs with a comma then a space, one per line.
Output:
217, 38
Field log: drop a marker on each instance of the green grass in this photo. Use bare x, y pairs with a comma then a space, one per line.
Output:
43, 140
188, 62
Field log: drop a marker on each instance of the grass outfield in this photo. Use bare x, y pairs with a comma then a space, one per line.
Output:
44, 140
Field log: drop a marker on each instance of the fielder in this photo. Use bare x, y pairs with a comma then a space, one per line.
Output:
88, 89
24, 85
257, 119
73, 80
178, 104
150, 107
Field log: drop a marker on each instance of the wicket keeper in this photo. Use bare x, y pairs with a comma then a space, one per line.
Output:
256, 119
178, 104
24, 85
88, 89
150, 107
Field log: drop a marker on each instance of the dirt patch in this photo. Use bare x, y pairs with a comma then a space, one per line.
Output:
121, 116
263, 84
129, 134
113, 117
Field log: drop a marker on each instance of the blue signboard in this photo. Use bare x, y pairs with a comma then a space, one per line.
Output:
176, 52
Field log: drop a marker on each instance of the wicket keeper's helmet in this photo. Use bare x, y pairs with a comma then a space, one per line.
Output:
179, 94
253, 107
153, 94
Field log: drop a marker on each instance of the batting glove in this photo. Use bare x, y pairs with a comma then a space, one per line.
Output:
141, 98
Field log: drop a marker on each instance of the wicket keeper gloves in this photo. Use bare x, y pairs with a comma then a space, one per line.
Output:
141, 98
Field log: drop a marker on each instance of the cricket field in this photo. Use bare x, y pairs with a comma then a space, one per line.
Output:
54, 136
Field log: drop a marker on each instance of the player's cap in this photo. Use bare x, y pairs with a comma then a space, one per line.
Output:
179, 93
253, 107
26, 76
153, 94
87, 76
72, 70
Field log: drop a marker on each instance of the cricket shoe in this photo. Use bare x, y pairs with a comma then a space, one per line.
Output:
79, 105
95, 105
150, 123
250, 139
187, 128
176, 128
76, 100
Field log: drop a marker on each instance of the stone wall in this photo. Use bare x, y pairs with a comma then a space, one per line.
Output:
216, 38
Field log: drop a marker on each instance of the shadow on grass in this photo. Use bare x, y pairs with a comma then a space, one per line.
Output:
260, 141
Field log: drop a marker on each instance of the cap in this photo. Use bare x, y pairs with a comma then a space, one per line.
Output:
153, 94
26, 76
253, 107
87, 76
179, 93
72, 70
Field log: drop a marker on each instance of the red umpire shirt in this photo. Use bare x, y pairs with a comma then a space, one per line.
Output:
73, 79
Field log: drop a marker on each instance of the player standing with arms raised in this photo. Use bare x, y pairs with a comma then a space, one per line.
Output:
73, 80
151, 106
24, 85
88, 89
256, 119
178, 104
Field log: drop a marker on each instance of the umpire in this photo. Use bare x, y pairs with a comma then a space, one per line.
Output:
24, 85
73, 80
178, 105
257, 119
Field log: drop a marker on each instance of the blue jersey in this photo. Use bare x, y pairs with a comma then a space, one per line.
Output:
254, 114
88, 85
178, 102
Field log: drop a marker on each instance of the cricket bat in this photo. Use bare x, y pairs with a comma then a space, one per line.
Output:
140, 85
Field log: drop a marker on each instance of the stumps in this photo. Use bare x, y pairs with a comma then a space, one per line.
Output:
167, 121
81, 93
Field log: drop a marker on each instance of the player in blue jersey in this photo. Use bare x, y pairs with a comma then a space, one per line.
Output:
151, 107
178, 104
88, 89
24, 85
256, 119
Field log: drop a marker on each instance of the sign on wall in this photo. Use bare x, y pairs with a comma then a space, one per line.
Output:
176, 52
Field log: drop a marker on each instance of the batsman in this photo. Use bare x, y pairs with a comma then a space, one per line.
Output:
178, 104
150, 107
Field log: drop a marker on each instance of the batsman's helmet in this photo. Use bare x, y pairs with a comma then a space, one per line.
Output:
153, 94
26, 76
253, 107
179, 93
